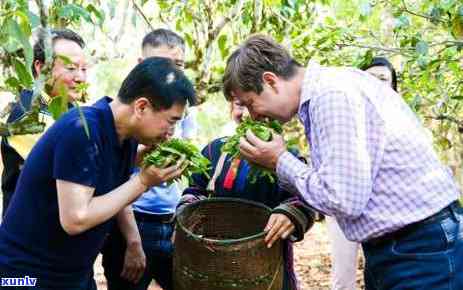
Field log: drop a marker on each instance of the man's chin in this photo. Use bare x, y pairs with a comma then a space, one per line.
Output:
155, 141
72, 97
75, 95
284, 119
148, 143
279, 119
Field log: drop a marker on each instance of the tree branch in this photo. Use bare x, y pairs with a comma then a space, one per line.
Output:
283, 18
448, 43
205, 58
258, 7
405, 9
43, 13
443, 117
387, 49
124, 20
135, 5
224, 20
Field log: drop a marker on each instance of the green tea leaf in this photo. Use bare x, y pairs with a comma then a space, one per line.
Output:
168, 152
98, 14
82, 119
223, 45
58, 106
13, 84
23, 74
17, 33
457, 26
422, 48
263, 130
34, 19
66, 60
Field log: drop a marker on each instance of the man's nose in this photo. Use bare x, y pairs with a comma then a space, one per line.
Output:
80, 76
171, 131
256, 116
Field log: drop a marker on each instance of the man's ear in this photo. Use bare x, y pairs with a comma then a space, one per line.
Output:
38, 66
270, 79
140, 105
140, 59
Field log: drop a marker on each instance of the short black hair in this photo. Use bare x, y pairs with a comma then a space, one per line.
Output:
56, 34
382, 61
158, 80
161, 36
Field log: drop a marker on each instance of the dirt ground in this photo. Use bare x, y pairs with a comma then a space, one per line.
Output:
311, 258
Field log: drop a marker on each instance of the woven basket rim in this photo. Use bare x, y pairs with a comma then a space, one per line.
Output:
227, 241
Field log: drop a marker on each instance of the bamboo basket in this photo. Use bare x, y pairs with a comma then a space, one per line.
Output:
219, 245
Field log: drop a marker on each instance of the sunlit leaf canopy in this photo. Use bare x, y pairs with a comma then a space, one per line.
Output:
423, 39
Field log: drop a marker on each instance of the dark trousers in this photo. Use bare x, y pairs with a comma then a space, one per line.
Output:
425, 255
157, 245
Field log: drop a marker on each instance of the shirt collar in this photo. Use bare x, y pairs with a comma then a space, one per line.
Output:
108, 120
309, 85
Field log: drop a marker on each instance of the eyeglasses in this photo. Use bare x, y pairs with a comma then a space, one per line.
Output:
180, 64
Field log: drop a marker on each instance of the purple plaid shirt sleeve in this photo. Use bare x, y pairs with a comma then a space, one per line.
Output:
373, 166
343, 183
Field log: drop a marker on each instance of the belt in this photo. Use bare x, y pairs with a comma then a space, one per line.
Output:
444, 213
157, 218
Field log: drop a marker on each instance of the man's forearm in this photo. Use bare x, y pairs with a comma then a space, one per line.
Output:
128, 226
99, 209
320, 189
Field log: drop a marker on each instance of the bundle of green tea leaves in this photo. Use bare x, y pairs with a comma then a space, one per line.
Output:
170, 151
263, 130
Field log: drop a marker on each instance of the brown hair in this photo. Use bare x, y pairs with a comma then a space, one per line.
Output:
257, 55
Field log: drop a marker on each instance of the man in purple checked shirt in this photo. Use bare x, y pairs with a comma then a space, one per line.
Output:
373, 166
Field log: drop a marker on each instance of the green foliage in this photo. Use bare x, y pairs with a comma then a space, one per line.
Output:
263, 130
83, 120
17, 22
15, 37
172, 150
24, 76
74, 13
58, 106
424, 40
